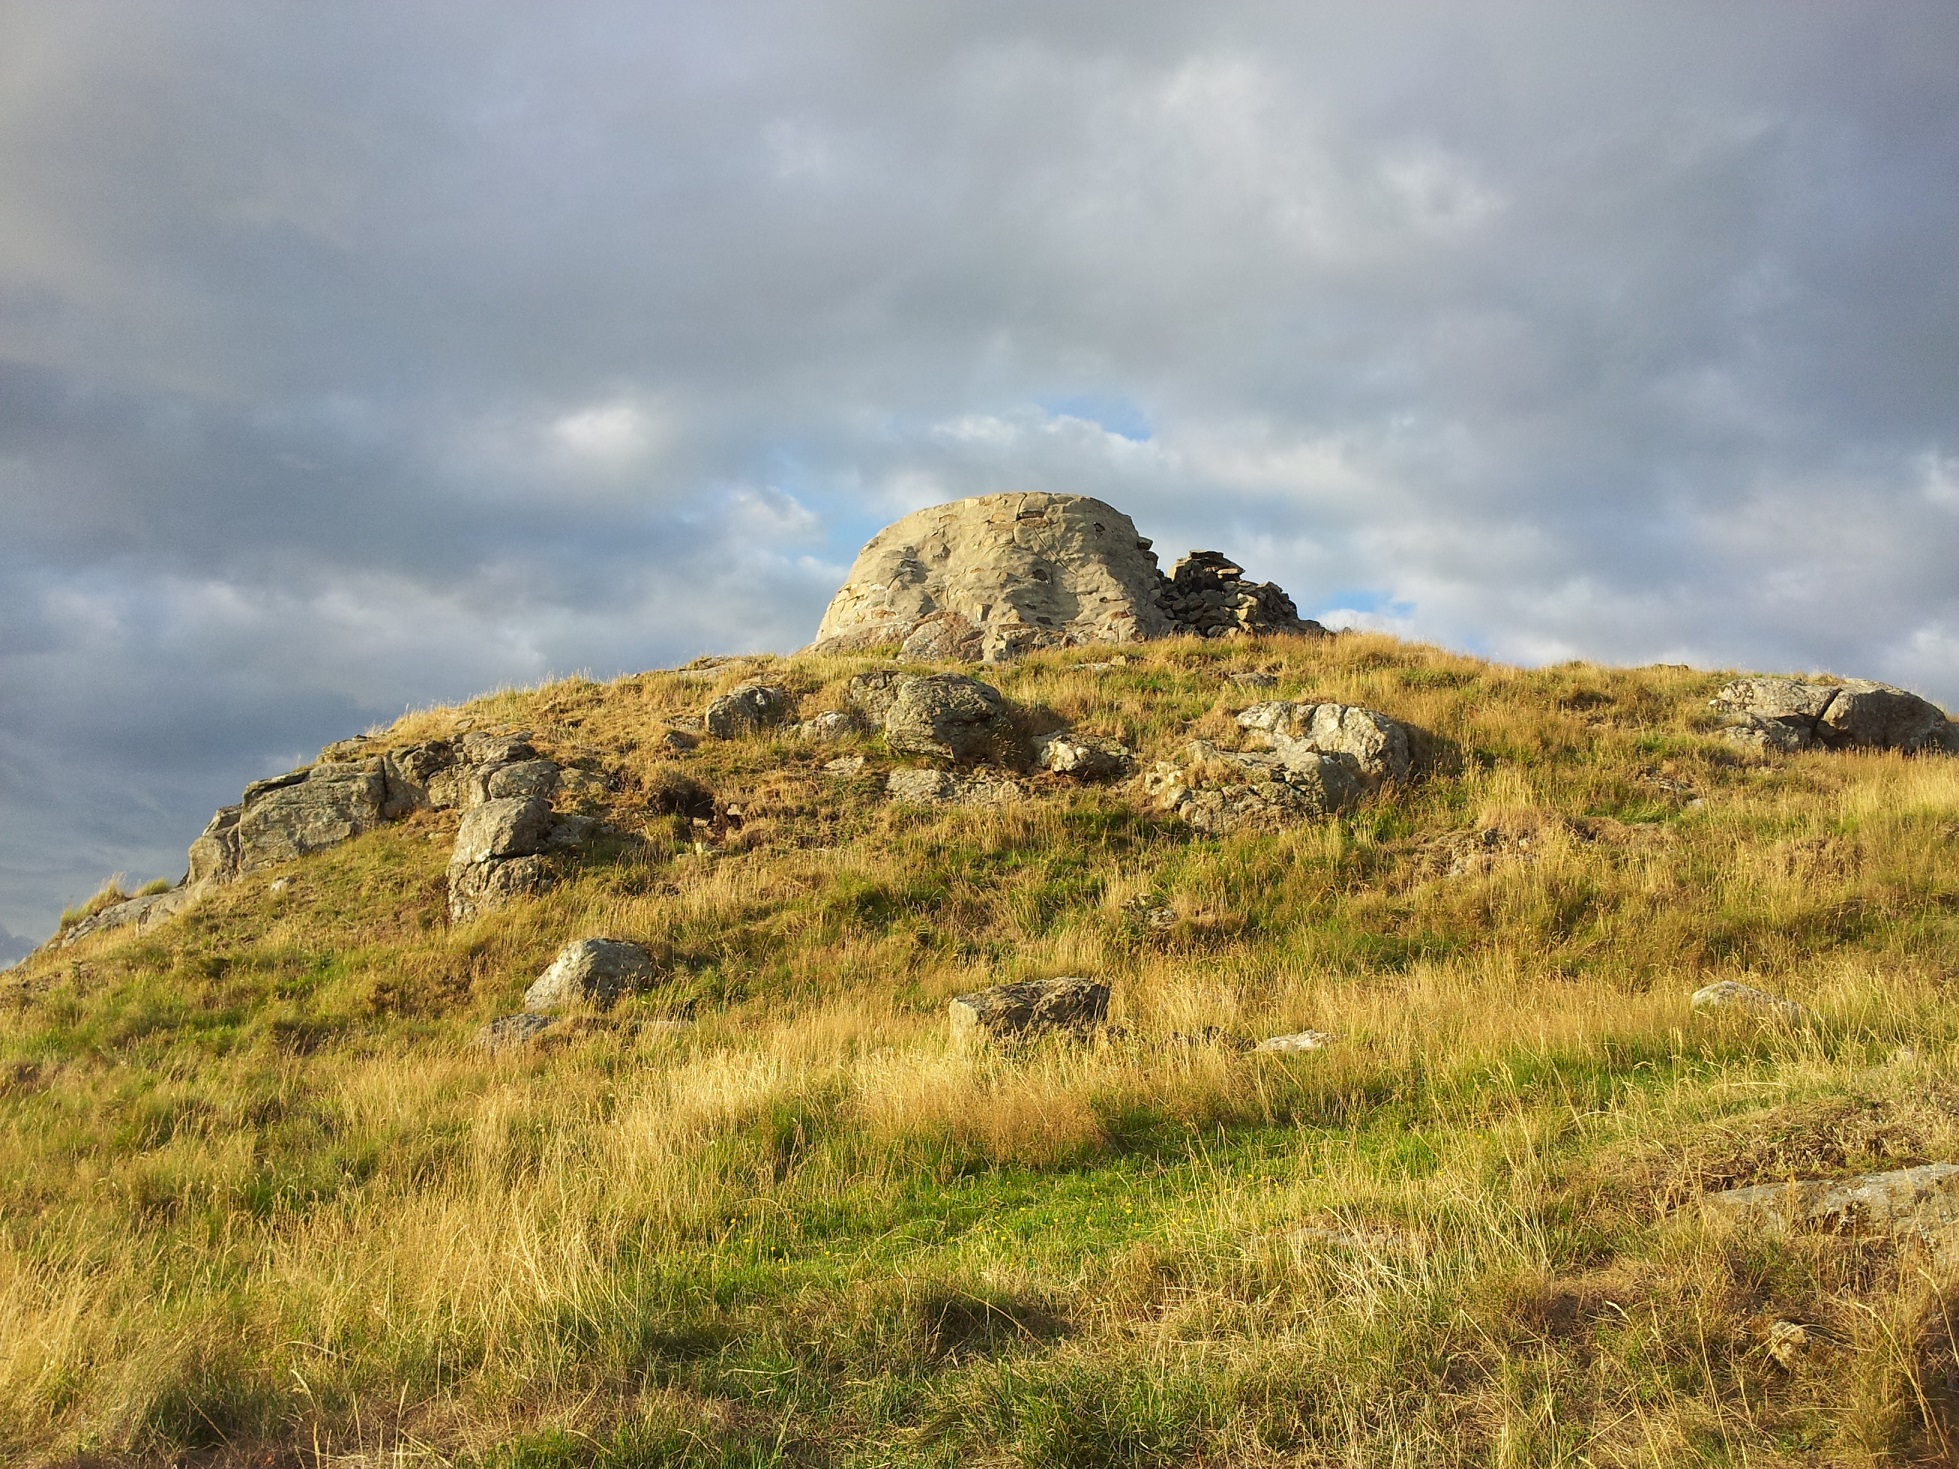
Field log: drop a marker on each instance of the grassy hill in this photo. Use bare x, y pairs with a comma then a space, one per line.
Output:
262, 1199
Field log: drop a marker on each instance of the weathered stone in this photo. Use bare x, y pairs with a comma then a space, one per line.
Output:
831, 724
1786, 1343
1376, 744
521, 779
214, 855
571, 830
1305, 1040
942, 716
945, 637
516, 826
844, 767
1731, 997
484, 747
590, 972
1023, 571
409, 771
326, 806
744, 709
140, 914
1253, 680
1084, 757
1220, 791
1772, 712
512, 1032
476, 888
940, 787
1031, 1008
1920, 1202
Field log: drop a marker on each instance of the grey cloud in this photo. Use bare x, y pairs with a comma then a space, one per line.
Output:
360, 356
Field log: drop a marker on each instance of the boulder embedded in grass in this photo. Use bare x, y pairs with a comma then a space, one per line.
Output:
1921, 1202
1305, 1040
1031, 1008
512, 1032
1732, 998
590, 972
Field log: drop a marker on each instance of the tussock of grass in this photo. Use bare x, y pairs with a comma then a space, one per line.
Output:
257, 1189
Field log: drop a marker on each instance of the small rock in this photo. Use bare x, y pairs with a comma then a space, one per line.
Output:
1787, 1341
844, 767
1253, 679
279, 884
571, 831
678, 740
1084, 757
1305, 1040
590, 971
512, 1032
745, 709
1031, 1008
1735, 998
831, 724
1375, 744
1160, 918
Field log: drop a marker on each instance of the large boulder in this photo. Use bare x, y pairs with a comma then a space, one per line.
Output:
1002, 575
325, 806
1374, 743
1788, 714
941, 716
590, 972
1031, 1008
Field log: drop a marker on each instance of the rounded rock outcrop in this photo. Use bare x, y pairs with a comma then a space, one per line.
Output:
999, 575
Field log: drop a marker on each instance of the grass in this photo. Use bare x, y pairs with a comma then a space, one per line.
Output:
260, 1195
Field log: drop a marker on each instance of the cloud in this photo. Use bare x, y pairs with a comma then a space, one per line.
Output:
360, 356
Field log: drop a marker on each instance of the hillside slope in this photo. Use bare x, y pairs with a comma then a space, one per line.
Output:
264, 1198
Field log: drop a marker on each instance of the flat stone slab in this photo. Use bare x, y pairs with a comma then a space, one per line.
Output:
1917, 1202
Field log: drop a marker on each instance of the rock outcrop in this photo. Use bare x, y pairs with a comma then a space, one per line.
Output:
1921, 1203
745, 709
1375, 745
997, 576
1789, 714
1219, 791
499, 855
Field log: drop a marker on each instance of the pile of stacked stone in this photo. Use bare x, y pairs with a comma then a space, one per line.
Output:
1207, 594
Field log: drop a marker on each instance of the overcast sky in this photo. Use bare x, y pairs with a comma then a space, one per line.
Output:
358, 356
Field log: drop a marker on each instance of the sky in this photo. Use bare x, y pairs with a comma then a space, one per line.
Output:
364, 356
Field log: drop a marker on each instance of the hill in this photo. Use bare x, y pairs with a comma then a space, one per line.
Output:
267, 1195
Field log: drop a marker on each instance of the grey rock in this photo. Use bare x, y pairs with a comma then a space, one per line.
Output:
1083, 757
1305, 1040
485, 747
571, 831
512, 1032
940, 787
290, 818
214, 855
409, 772
1031, 1008
1772, 712
1253, 680
1271, 791
521, 778
844, 767
831, 724
1731, 997
140, 914
1921, 1202
1376, 744
941, 716
516, 826
476, 888
590, 972
745, 709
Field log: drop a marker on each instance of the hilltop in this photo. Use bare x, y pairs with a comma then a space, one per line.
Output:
277, 1188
